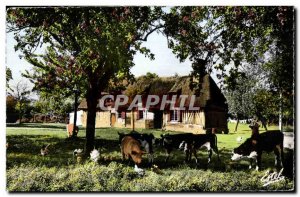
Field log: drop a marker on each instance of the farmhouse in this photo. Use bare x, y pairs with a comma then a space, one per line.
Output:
212, 112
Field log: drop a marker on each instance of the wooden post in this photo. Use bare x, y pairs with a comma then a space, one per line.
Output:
132, 120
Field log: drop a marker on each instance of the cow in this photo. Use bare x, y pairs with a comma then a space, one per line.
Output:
198, 141
146, 141
264, 142
170, 142
131, 148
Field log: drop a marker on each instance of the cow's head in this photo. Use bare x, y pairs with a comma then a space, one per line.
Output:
166, 140
244, 150
148, 141
254, 126
137, 156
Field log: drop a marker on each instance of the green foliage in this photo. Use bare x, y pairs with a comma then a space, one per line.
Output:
8, 77
226, 38
150, 75
90, 47
241, 98
53, 104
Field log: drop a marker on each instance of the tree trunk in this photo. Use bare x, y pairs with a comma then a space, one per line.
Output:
20, 114
280, 112
90, 124
263, 122
237, 123
74, 133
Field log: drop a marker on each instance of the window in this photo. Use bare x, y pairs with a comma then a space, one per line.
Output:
140, 114
174, 115
121, 115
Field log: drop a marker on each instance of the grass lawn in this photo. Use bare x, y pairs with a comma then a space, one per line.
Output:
59, 171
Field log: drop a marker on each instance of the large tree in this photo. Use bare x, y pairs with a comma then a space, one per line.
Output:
227, 38
86, 46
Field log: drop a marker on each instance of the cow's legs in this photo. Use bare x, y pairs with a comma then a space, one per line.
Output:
258, 161
168, 155
209, 155
123, 154
217, 152
188, 153
195, 155
278, 156
150, 158
281, 155
251, 161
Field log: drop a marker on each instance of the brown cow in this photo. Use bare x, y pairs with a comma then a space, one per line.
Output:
131, 147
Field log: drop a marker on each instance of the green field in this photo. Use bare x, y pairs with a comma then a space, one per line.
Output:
27, 170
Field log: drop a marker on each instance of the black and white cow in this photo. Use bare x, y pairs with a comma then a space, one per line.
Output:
171, 142
265, 142
146, 141
198, 141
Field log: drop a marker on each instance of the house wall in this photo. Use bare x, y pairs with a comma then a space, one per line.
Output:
102, 119
138, 123
84, 118
216, 119
191, 122
194, 122
79, 118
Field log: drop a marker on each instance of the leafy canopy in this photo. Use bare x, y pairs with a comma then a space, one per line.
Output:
86, 46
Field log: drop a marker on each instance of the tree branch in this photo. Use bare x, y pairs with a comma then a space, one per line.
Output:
150, 32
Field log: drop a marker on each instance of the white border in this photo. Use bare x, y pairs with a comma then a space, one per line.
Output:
5, 3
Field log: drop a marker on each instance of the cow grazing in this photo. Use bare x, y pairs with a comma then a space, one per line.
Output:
131, 147
146, 141
264, 142
201, 140
170, 142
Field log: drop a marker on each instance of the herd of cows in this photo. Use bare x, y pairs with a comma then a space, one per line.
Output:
134, 145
